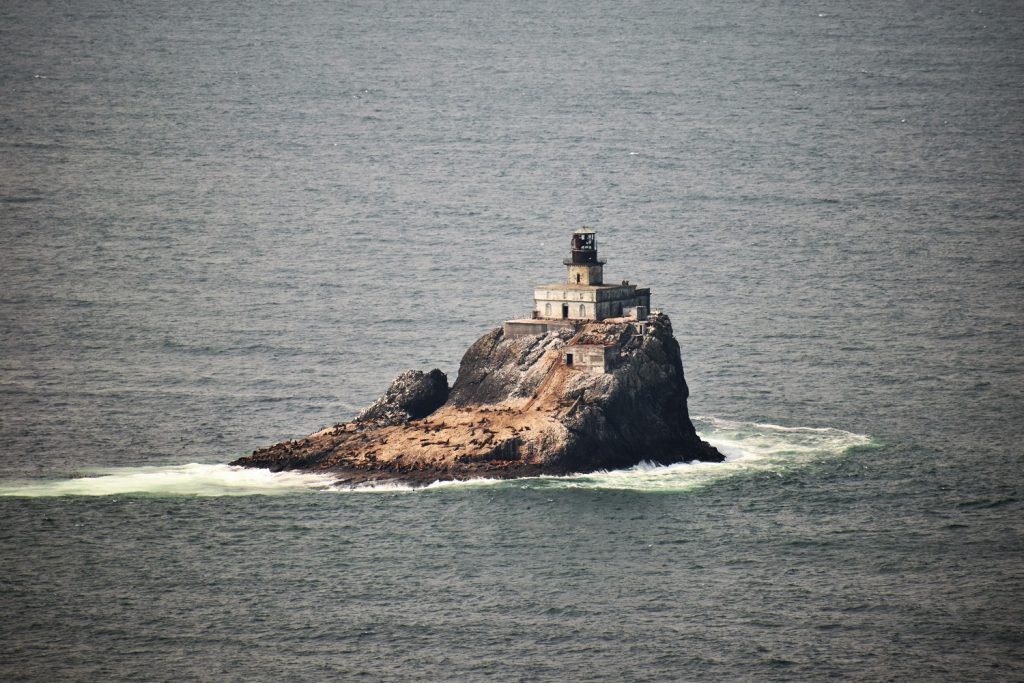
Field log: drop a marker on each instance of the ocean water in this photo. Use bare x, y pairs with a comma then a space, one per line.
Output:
223, 226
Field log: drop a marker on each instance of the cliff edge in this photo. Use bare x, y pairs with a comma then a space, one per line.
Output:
595, 395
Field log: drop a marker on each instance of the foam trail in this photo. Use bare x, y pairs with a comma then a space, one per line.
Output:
176, 480
748, 447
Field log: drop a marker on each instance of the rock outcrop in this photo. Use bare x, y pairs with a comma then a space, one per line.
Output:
518, 409
413, 394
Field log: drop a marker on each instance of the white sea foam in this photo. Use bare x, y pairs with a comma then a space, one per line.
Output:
193, 479
748, 447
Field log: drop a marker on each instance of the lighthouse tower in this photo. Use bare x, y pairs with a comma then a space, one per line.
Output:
584, 266
584, 295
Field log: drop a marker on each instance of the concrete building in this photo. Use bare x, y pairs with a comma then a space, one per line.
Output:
583, 296
592, 358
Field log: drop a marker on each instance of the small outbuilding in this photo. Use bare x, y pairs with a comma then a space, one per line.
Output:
592, 358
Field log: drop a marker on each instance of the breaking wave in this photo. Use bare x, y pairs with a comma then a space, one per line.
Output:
748, 446
193, 479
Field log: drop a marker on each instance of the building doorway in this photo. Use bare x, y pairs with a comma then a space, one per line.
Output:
565, 311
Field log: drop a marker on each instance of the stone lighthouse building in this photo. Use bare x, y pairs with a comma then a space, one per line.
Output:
584, 294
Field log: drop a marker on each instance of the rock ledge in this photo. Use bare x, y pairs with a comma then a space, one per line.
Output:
517, 409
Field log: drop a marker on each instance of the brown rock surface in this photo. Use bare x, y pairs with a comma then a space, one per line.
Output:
517, 410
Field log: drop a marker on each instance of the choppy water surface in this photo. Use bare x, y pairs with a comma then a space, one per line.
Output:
221, 228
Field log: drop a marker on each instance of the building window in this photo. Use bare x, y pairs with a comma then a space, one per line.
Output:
583, 311
577, 278
547, 310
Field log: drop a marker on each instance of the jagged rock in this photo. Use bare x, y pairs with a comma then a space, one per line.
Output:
413, 394
517, 409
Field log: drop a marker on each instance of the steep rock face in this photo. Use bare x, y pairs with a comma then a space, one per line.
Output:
644, 414
517, 409
496, 369
413, 394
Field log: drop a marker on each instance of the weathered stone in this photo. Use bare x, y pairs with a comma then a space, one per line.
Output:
515, 410
413, 394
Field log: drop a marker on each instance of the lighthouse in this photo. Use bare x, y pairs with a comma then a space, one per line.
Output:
584, 266
584, 295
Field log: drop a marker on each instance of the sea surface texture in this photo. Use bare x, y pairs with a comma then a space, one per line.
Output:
226, 225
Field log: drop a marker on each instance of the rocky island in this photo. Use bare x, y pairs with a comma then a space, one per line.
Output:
594, 380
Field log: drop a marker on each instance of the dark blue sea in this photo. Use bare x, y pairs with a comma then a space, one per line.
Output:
223, 225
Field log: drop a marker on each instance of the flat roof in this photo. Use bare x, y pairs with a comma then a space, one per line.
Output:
573, 285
